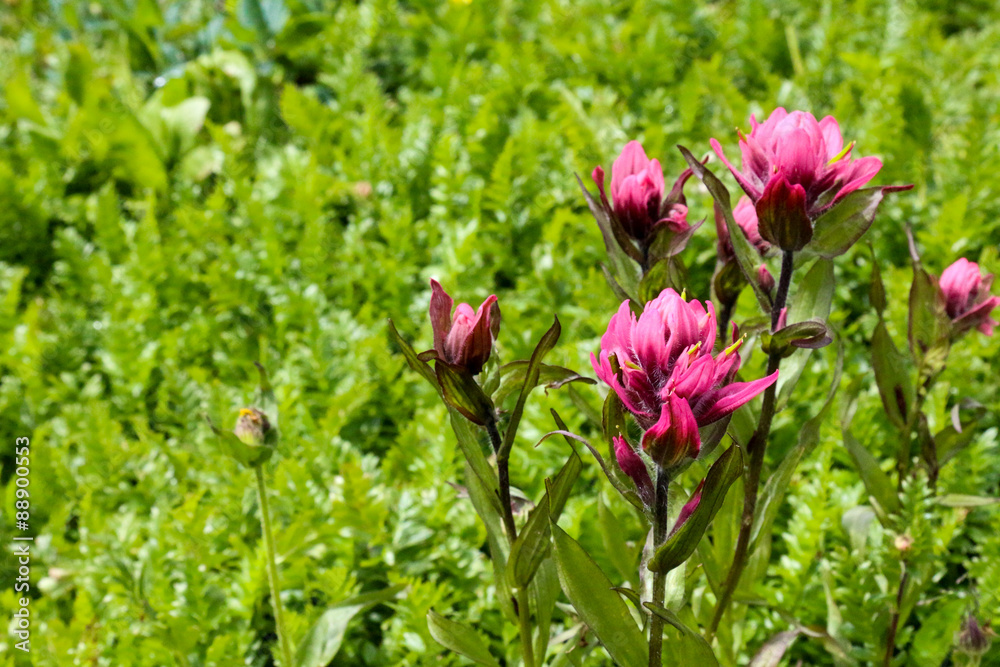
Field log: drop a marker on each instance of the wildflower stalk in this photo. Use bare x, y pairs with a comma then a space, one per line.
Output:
272, 569
503, 473
756, 448
890, 642
661, 508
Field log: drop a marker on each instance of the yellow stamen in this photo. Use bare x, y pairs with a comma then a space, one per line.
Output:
735, 346
694, 348
245, 412
841, 154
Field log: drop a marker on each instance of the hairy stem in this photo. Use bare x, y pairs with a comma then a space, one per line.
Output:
755, 448
661, 508
272, 569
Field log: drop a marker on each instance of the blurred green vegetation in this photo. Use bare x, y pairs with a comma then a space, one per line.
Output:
189, 187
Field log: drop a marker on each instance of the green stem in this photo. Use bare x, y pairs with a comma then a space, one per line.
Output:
272, 569
755, 448
661, 508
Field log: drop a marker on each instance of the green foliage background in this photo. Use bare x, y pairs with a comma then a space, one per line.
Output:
187, 188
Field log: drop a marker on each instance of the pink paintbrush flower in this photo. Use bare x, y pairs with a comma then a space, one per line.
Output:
661, 366
968, 301
795, 168
639, 201
465, 339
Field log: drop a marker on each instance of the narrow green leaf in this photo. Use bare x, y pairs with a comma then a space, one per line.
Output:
960, 500
892, 376
613, 538
682, 543
322, 641
600, 607
543, 591
878, 484
533, 543
545, 345
856, 522
773, 650
460, 639
551, 377
929, 326
689, 647
415, 363
482, 471
616, 240
746, 256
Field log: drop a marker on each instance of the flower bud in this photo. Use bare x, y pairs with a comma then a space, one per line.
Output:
782, 216
633, 466
689, 507
254, 431
765, 279
968, 301
252, 427
674, 437
973, 639
465, 339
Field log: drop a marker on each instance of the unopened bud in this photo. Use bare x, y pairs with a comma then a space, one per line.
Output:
252, 427
974, 639
903, 542
765, 279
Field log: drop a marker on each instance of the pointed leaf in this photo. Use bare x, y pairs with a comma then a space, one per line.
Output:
552, 377
841, 226
929, 325
746, 256
600, 607
545, 345
533, 543
960, 500
773, 650
460, 639
682, 543
892, 376
878, 484
616, 240
412, 358
482, 472
323, 640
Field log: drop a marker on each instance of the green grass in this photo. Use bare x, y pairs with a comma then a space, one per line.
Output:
185, 191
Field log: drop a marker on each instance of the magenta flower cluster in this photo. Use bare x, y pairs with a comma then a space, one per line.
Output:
663, 367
